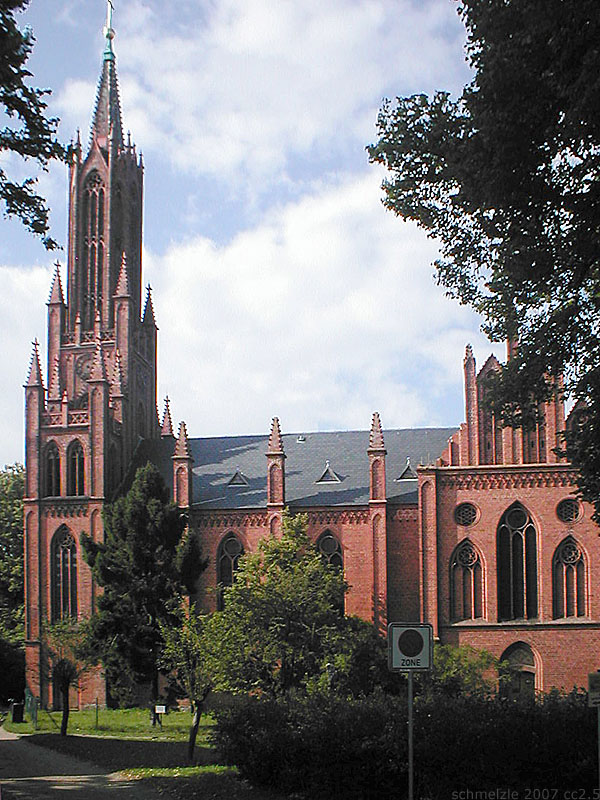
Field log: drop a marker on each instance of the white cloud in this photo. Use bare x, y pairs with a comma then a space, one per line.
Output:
24, 292
323, 313
246, 86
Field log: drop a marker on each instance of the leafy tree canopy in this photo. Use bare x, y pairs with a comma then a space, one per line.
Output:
282, 627
507, 179
12, 484
28, 133
148, 559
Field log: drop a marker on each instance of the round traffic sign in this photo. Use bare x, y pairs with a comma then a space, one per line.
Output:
410, 643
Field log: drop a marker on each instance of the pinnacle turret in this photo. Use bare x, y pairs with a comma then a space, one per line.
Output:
34, 377
122, 288
56, 292
376, 436
148, 318
167, 424
182, 445
275, 440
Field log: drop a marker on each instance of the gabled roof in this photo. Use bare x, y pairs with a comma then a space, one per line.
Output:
217, 459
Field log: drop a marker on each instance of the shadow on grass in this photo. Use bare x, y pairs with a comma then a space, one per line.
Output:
116, 755
224, 785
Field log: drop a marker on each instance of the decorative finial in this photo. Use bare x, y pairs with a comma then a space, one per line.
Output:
109, 32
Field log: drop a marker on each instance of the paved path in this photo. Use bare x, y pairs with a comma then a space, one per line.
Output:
29, 772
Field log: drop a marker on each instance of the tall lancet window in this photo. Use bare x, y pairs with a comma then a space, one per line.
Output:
63, 575
517, 565
93, 246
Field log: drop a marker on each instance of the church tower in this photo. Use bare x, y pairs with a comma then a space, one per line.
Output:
82, 430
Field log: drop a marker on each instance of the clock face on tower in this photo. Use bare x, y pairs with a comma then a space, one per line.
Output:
83, 366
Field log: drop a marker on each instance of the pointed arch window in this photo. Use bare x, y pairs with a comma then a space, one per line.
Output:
568, 580
519, 672
517, 565
93, 246
63, 575
228, 556
330, 549
52, 471
75, 469
466, 582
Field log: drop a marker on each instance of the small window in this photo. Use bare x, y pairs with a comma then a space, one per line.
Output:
75, 470
52, 471
328, 476
568, 510
238, 479
228, 556
465, 514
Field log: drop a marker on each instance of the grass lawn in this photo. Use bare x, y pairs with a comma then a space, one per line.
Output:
125, 741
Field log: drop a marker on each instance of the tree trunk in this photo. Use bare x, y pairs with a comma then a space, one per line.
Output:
65, 710
197, 712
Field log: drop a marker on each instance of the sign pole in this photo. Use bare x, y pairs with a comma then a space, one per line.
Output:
598, 748
410, 736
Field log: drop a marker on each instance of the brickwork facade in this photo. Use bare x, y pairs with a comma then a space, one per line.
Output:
493, 548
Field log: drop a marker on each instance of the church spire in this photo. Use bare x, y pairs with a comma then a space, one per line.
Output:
106, 123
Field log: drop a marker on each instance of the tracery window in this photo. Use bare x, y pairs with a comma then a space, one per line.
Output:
93, 246
52, 471
568, 580
228, 556
75, 469
517, 565
63, 575
330, 549
466, 582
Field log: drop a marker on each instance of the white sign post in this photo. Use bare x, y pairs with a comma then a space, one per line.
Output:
410, 649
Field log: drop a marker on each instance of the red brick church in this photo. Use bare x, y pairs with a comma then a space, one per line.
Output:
478, 531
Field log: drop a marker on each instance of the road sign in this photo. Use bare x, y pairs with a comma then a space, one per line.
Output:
410, 647
594, 689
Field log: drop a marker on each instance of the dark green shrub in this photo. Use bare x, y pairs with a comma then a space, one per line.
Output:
12, 670
330, 747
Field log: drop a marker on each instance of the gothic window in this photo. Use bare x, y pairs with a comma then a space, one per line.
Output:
228, 556
466, 583
568, 510
52, 471
568, 580
465, 514
518, 672
75, 469
93, 246
63, 575
330, 549
517, 565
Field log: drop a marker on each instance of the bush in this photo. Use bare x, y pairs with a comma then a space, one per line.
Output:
357, 748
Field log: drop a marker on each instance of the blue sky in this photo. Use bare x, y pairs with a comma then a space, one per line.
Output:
281, 286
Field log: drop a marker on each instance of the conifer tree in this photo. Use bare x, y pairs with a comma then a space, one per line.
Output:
147, 561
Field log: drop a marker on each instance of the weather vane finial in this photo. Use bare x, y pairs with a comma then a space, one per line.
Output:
109, 31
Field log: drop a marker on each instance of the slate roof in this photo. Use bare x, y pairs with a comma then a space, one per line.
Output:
217, 459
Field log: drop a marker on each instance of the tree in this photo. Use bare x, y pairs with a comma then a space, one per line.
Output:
507, 179
184, 656
33, 134
12, 483
148, 559
65, 644
279, 617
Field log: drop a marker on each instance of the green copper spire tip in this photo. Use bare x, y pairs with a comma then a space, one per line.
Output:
109, 32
